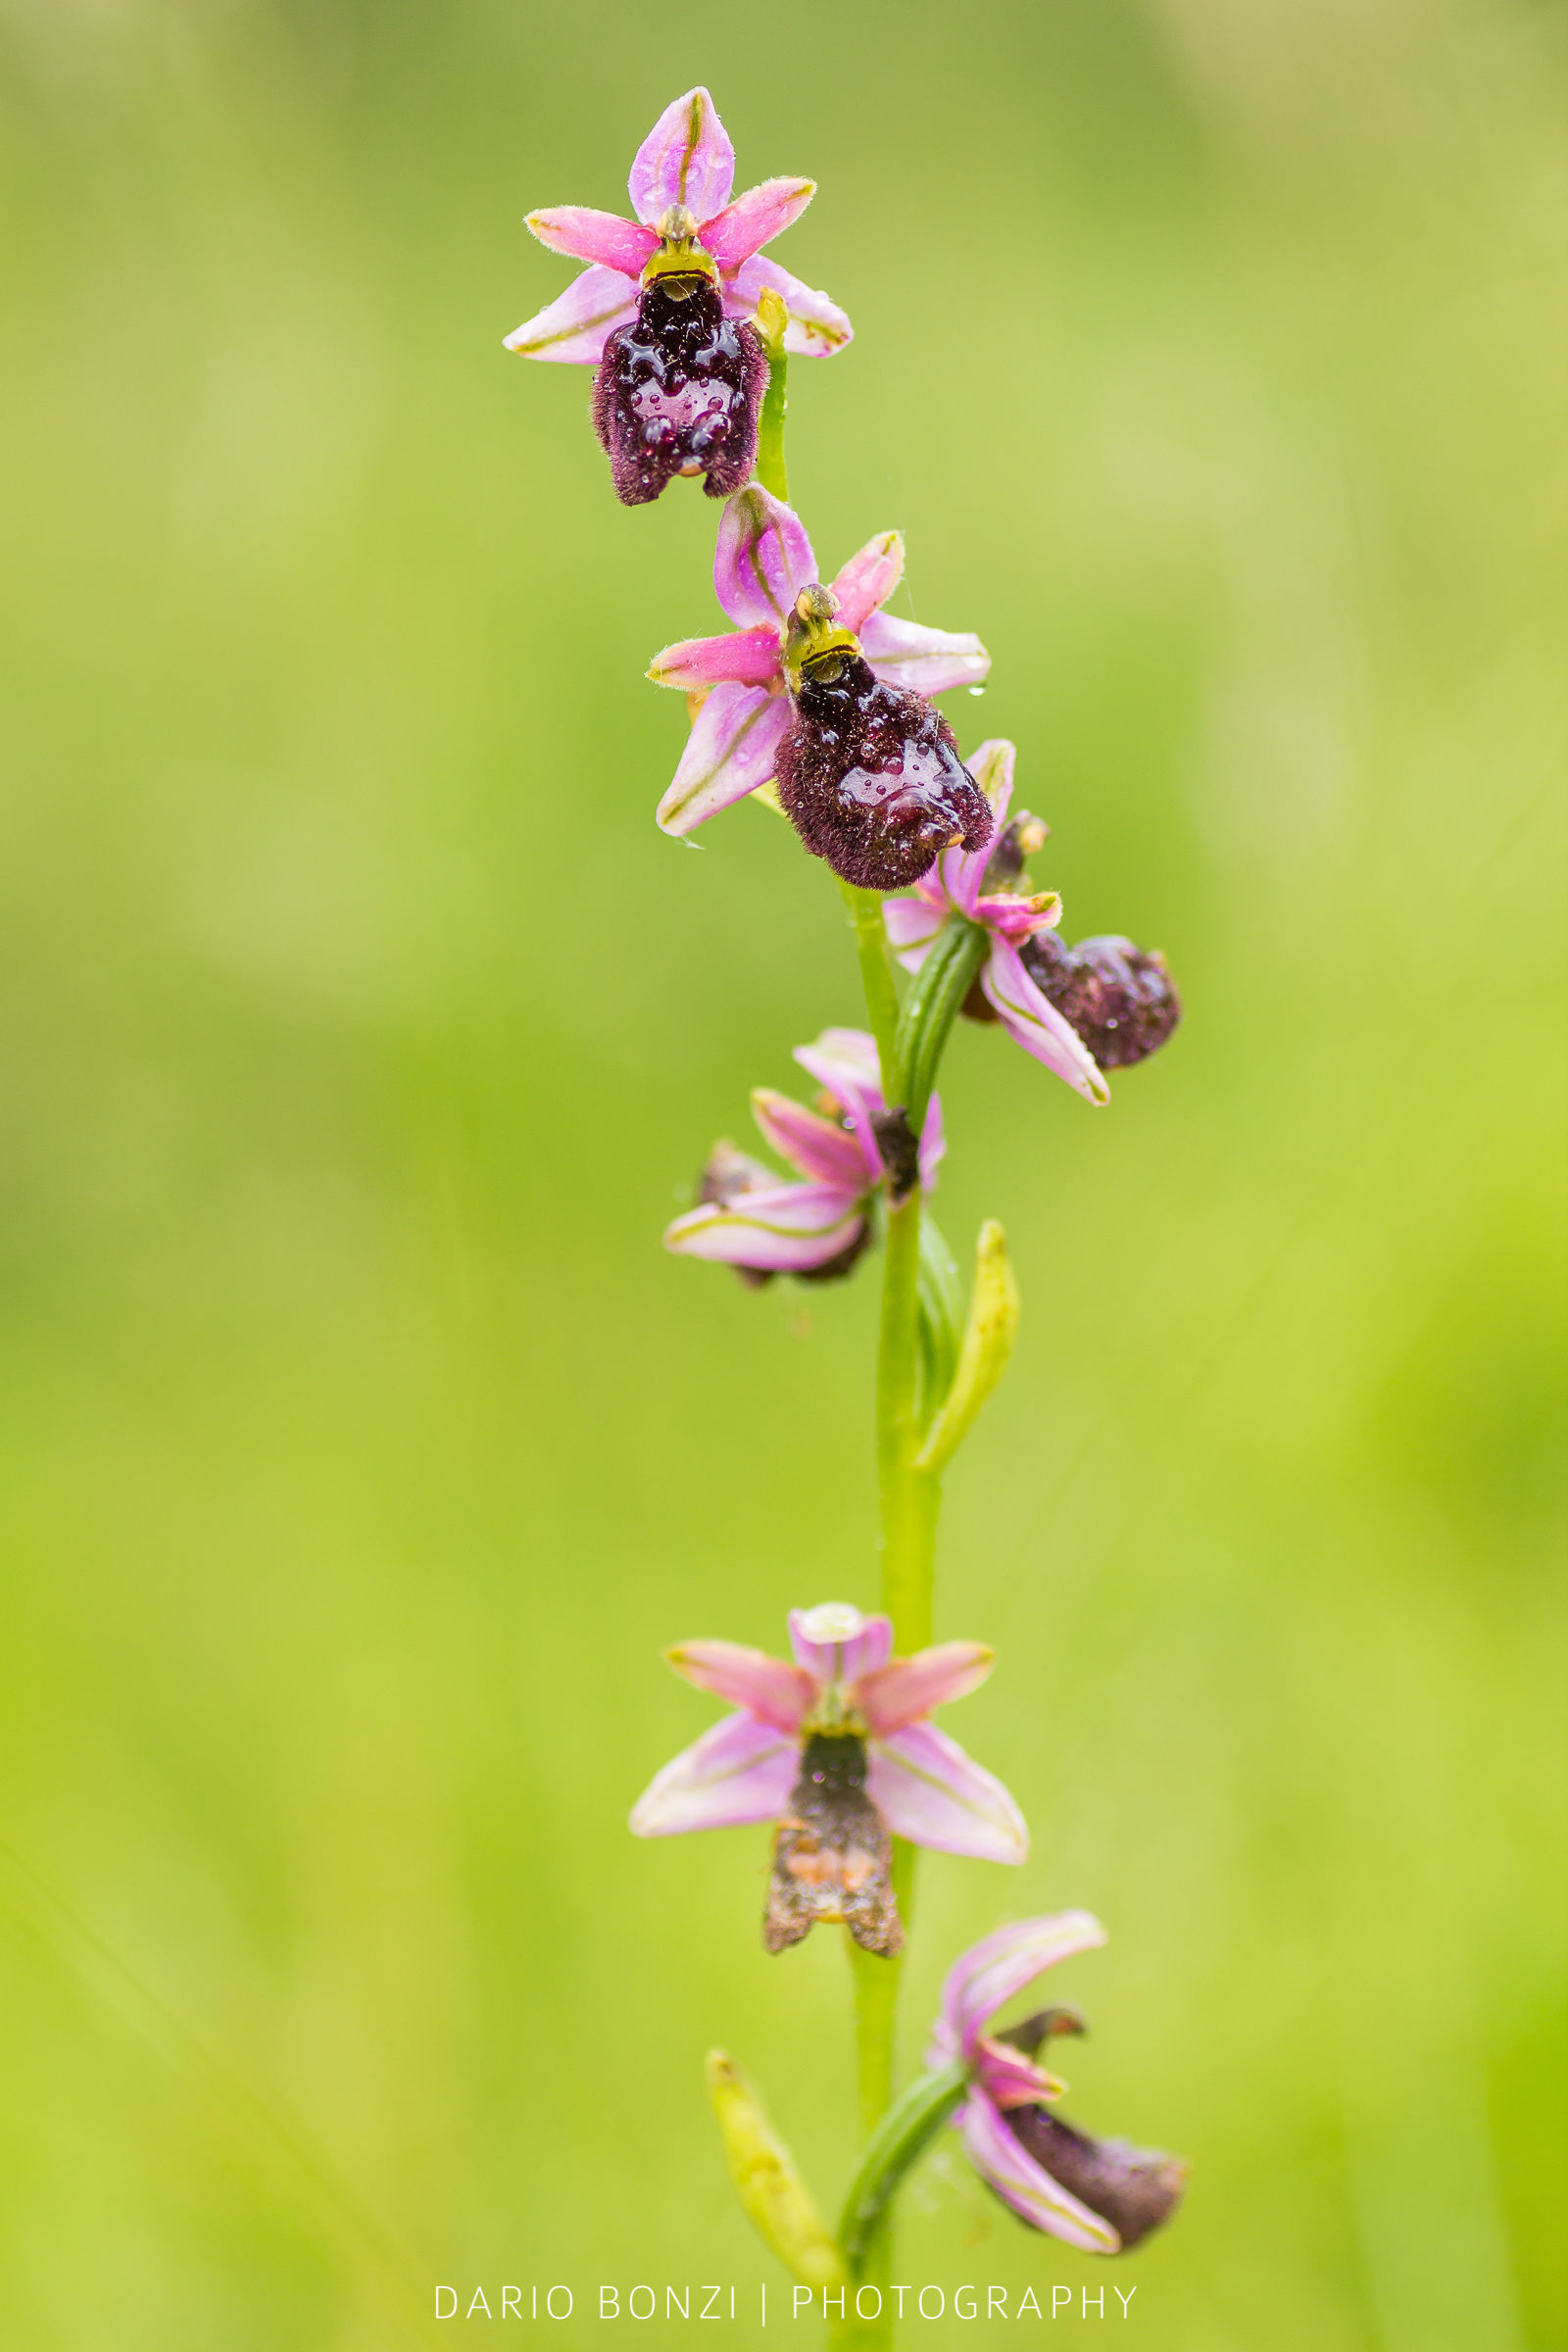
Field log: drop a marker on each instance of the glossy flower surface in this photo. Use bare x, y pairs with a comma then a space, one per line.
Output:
1102, 2195
816, 1223
764, 564
686, 161
835, 1745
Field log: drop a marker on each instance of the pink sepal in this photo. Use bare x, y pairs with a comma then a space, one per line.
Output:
738, 657
913, 926
836, 1643
1032, 1021
769, 1687
590, 236
778, 1229
933, 1142
733, 235
868, 579
742, 1770
577, 324
906, 1689
686, 159
1001, 1964
1010, 2079
1027, 2186
816, 1145
928, 1791
845, 1062
929, 661
763, 561
729, 752
815, 327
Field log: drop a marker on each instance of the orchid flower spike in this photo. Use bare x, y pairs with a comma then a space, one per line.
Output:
1101, 2195
816, 1225
805, 661
1103, 1004
658, 310
838, 1749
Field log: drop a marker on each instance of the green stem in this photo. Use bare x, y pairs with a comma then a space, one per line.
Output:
770, 425
876, 974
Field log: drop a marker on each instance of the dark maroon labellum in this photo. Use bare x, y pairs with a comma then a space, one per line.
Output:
679, 392
1120, 1001
1134, 2190
832, 1854
871, 778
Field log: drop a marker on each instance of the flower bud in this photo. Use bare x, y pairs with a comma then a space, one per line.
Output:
1134, 2190
767, 2182
1120, 1000
869, 775
679, 391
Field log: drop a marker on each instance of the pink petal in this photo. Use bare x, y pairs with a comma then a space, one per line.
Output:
769, 1687
782, 1229
904, 654
816, 326
1007, 916
1010, 2079
912, 925
906, 1689
990, 763
933, 1142
845, 1062
733, 235
686, 159
763, 561
836, 1643
729, 752
1027, 2186
742, 1770
815, 1145
740, 657
1000, 1965
590, 236
868, 579
577, 325
928, 1791
1034, 1023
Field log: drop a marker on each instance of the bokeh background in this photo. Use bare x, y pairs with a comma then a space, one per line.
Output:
360, 1448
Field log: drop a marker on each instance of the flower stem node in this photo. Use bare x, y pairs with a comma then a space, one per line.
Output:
767, 2180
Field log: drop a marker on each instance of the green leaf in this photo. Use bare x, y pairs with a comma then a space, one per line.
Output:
987, 1344
902, 2136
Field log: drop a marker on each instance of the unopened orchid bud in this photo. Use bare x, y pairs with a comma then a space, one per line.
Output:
869, 774
1121, 1001
767, 2182
1134, 2190
679, 391
1012, 849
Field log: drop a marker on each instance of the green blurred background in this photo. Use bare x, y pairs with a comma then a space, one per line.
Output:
361, 1446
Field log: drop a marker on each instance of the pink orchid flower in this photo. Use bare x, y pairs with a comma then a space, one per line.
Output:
686, 161
818, 1225
764, 564
838, 1749
1099, 2195
969, 887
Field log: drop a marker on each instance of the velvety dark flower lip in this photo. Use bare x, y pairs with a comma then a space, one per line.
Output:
686, 162
679, 392
761, 1223
763, 563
